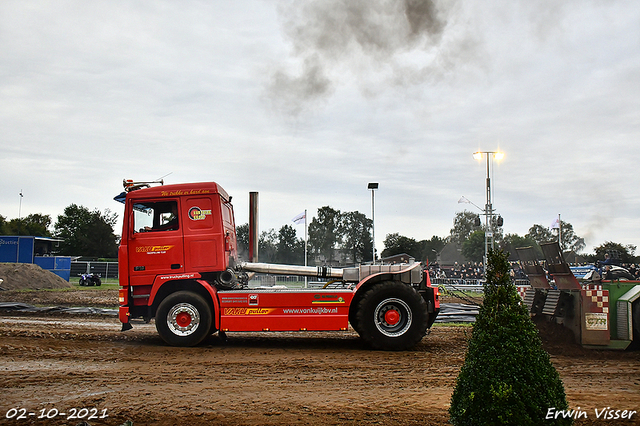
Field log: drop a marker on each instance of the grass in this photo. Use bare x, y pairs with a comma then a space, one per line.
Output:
452, 324
74, 287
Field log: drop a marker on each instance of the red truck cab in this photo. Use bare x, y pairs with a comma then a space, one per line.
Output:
173, 230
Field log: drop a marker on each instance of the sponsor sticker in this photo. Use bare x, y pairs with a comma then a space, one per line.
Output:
153, 249
596, 321
248, 311
196, 213
339, 301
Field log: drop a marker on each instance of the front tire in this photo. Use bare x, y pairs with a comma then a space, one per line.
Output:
392, 316
183, 319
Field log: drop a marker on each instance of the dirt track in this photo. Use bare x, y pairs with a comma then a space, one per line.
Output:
66, 362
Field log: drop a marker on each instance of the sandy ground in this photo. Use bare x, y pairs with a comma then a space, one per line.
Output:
70, 362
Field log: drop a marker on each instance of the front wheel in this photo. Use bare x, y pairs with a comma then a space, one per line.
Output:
183, 319
392, 316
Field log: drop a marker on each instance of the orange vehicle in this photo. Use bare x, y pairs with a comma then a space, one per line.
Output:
178, 263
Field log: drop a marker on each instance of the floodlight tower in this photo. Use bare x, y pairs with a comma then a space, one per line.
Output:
488, 207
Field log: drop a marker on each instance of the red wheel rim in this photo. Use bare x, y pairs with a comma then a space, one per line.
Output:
183, 319
392, 317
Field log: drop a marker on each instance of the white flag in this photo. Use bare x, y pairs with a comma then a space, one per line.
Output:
555, 224
300, 218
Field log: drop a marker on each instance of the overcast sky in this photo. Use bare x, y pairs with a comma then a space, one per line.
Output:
307, 102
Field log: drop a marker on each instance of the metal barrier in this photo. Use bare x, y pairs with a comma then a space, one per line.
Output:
105, 269
475, 285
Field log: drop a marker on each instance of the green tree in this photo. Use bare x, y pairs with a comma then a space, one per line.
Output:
511, 242
324, 232
268, 246
431, 248
87, 233
290, 249
242, 239
36, 225
464, 224
541, 234
473, 247
625, 253
507, 377
398, 244
568, 241
355, 229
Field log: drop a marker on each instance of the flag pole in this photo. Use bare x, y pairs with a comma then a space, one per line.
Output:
298, 220
305, 245
559, 232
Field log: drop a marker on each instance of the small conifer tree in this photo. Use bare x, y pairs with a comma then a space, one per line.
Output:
507, 377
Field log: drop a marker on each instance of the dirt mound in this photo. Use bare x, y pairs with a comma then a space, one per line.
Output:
18, 276
558, 339
72, 298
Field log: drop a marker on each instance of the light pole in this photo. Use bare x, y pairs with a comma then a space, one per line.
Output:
20, 215
373, 186
488, 207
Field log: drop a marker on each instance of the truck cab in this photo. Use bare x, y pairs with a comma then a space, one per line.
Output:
172, 230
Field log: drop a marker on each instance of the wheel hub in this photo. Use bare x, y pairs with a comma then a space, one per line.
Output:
393, 317
183, 319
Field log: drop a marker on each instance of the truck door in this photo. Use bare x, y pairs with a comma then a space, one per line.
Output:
155, 243
203, 235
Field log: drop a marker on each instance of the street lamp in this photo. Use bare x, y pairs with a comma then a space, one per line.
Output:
488, 207
373, 186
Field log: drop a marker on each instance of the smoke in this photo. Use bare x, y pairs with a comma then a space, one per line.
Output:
376, 43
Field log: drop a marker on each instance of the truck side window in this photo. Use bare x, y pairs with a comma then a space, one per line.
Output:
156, 216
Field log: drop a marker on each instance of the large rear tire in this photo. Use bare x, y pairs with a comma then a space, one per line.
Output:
392, 316
183, 319
353, 320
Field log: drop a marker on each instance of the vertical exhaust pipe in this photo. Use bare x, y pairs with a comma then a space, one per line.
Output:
253, 227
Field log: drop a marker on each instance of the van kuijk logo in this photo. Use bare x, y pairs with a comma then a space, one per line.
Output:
196, 213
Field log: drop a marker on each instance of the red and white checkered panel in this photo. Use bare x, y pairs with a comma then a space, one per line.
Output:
597, 301
522, 290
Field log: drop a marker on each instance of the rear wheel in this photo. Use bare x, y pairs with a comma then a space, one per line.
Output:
392, 316
353, 319
183, 319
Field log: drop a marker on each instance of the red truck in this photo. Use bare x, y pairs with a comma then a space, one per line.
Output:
178, 263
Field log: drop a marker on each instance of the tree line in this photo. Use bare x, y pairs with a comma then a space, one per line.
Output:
82, 232
331, 234
469, 234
